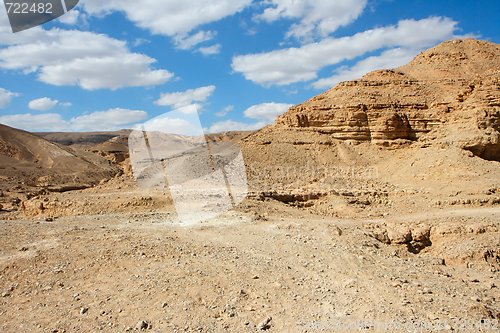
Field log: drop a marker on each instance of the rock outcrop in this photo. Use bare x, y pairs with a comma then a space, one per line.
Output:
449, 94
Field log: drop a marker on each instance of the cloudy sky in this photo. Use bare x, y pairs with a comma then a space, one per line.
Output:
111, 64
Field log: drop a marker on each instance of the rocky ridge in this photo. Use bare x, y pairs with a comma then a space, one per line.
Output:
448, 94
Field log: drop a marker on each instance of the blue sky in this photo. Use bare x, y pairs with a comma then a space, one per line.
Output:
111, 64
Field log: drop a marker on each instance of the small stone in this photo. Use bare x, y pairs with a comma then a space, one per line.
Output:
49, 219
255, 277
337, 231
265, 324
142, 325
382, 236
84, 310
164, 305
24, 249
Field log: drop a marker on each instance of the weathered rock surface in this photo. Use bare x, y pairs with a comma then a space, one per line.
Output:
448, 94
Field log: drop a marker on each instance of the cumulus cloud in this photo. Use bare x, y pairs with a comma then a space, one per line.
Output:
108, 72
210, 50
6, 97
170, 17
301, 64
112, 119
73, 17
77, 58
387, 60
47, 122
184, 98
43, 104
261, 114
109, 120
316, 17
266, 112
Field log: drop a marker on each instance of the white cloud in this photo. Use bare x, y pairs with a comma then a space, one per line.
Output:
210, 50
47, 122
6, 97
187, 42
129, 70
225, 111
43, 104
140, 41
112, 119
71, 57
387, 60
184, 98
73, 17
168, 17
316, 17
286, 66
231, 125
266, 112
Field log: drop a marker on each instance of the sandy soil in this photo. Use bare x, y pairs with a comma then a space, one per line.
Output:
306, 272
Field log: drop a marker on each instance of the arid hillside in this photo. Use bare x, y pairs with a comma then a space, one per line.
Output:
420, 136
449, 94
31, 165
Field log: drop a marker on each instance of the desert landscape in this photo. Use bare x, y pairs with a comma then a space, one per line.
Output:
374, 206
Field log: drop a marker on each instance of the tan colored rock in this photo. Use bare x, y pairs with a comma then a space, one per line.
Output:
453, 85
399, 234
421, 233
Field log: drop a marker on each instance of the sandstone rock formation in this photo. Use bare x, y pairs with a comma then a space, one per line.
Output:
448, 94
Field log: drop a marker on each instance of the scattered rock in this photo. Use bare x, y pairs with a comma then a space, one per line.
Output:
142, 325
84, 310
265, 324
381, 236
399, 235
421, 234
336, 231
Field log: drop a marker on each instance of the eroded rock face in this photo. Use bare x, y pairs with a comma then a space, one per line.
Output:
453, 85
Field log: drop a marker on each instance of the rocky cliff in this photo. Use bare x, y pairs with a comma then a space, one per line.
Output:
448, 94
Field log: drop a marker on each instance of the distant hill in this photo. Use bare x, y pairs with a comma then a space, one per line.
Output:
31, 163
